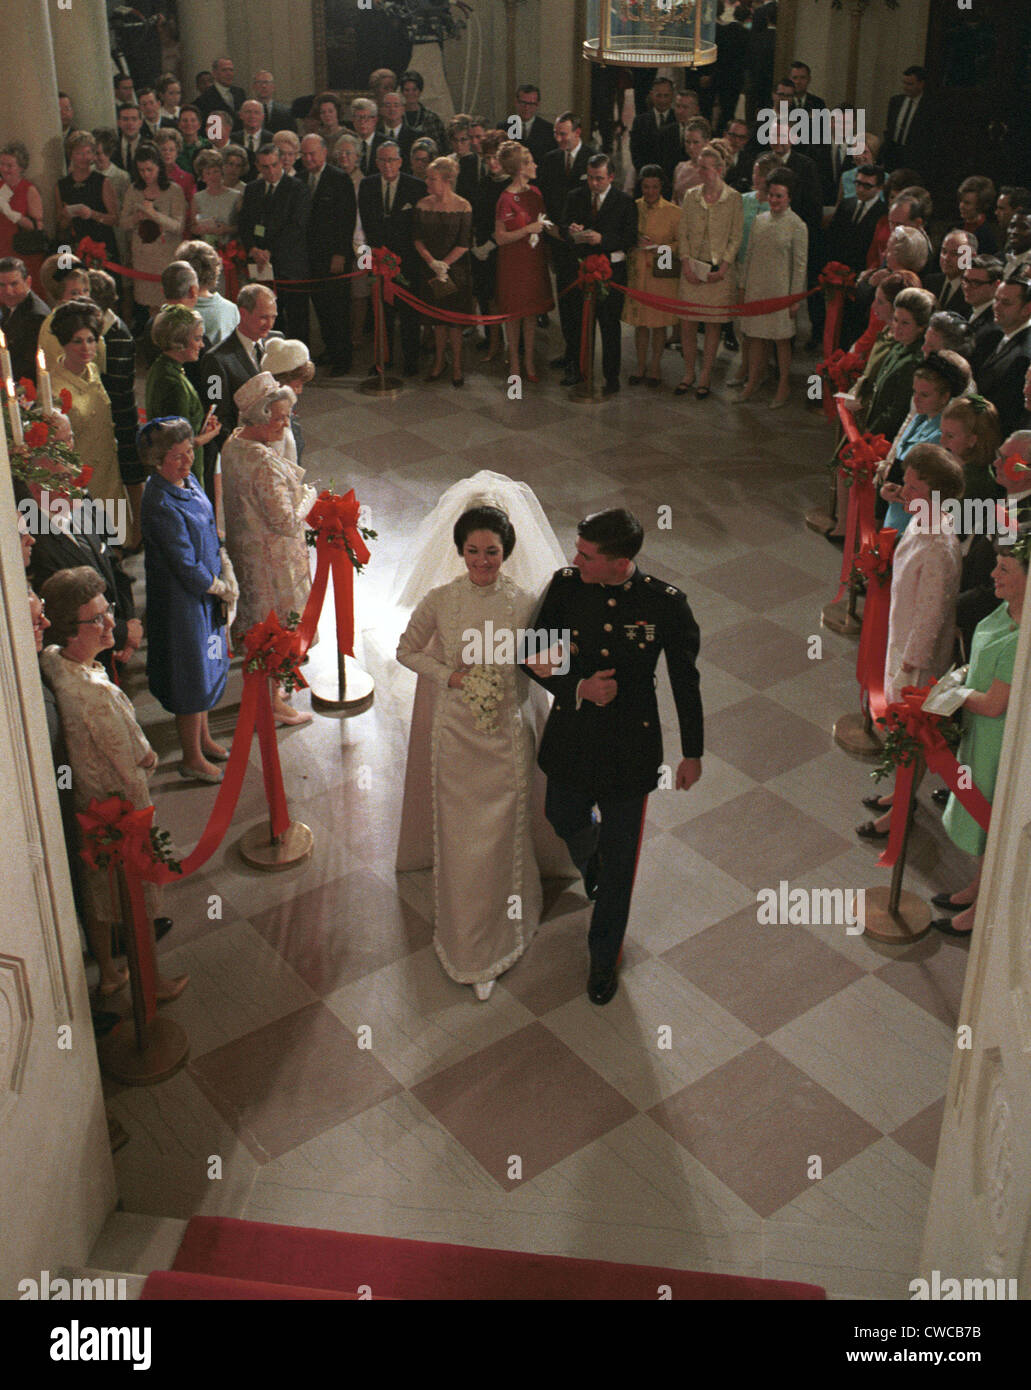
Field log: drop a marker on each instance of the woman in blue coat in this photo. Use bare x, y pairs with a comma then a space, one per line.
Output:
189, 586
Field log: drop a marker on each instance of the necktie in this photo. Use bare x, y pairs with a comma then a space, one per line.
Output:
860, 209
595, 204
905, 116
365, 157
388, 199
569, 163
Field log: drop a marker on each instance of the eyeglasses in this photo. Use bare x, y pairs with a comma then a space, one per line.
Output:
99, 620
969, 280
866, 183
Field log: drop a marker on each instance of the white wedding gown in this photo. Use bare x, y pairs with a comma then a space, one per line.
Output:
473, 801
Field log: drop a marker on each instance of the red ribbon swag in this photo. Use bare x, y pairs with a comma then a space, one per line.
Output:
874, 563
859, 460
339, 549
906, 718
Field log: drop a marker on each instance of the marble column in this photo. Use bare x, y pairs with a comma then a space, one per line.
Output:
203, 37
82, 57
28, 106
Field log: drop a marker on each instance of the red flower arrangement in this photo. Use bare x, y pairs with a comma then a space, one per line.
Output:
115, 832
870, 565
37, 434
27, 389
275, 648
334, 519
386, 263
841, 369
93, 253
64, 396
860, 458
595, 271
837, 275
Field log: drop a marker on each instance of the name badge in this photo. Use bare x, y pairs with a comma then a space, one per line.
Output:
259, 229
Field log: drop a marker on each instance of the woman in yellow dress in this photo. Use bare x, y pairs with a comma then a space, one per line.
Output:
77, 327
658, 229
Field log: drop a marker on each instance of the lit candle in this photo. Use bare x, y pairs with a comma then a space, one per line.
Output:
46, 400
15, 413
5, 357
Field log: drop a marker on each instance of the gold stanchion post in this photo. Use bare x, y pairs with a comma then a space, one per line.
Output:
379, 384
584, 393
892, 916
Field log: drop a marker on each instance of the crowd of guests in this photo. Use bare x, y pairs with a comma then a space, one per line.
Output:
496, 218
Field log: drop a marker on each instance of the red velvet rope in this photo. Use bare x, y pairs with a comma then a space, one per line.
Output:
875, 563
860, 457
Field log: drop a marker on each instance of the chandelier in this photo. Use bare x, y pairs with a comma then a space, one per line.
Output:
648, 33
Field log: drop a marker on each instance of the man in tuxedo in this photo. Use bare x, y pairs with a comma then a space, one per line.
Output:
392, 127
273, 227
946, 283
150, 114
129, 125
602, 745
275, 114
848, 240
364, 114
532, 130
979, 285
250, 134
560, 172
738, 173
1000, 377
599, 220
1007, 203
124, 93
386, 205
334, 209
910, 130
804, 99
221, 95
237, 358
654, 133
1018, 242
21, 313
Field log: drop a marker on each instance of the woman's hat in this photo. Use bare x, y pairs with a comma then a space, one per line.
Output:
255, 389
284, 355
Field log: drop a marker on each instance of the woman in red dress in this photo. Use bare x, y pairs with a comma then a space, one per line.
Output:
22, 207
524, 287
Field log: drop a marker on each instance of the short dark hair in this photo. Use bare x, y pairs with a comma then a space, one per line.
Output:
485, 518
412, 76
991, 265
915, 71
272, 149
64, 593
67, 319
799, 64
651, 171
1025, 285
891, 286
873, 171
103, 290
599, 161
10, 265
148, 154
784, 178
1016, 197
526, 88
662, 82
617, 533
571, 117
195, 109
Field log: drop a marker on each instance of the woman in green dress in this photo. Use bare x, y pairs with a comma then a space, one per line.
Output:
984, 720
178, 333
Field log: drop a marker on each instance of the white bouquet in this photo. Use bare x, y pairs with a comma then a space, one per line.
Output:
482, 690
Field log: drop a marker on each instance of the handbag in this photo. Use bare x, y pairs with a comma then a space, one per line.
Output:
440, 289
30, 241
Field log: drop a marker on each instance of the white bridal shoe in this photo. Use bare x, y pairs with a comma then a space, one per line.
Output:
484, 991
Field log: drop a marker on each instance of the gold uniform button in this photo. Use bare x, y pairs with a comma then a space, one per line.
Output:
607, 627
612, 603
576, 632
641, 645
604, 651
627, 584
646, 724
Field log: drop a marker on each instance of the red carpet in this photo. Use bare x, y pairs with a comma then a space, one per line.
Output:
329, 1264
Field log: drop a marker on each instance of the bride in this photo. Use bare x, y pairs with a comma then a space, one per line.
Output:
472, 796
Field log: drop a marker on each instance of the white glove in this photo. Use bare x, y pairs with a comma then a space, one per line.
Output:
309, 496
229, 575
219, 588
482, 252
440, 269
8, 212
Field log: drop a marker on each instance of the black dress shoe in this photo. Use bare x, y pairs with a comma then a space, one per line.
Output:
557, 362
729, 337
572, 377
542, 320
944, 925
601, 983
611, 388
944, 900
162, 926
103, 1021
869, 831
940, 796
874, 803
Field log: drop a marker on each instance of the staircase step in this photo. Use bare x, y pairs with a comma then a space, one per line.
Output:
137, 1243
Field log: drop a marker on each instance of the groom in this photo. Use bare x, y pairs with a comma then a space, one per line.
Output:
602, 746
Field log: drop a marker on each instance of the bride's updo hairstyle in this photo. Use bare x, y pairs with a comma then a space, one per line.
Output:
485, 518
617, 533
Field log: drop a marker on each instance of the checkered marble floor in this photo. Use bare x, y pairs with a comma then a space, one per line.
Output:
757, 1099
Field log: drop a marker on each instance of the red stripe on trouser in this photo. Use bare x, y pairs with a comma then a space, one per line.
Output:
637, 856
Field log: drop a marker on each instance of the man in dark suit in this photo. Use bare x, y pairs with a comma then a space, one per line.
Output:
221, 95
150, 114
979, 285
237, 358
738, 173
530, 130
910, 130
600, 220
654, 133
560, 172
392, 127
22, 314
804, 99
946, 284
250, 135
334, 209
273, 227
364, 115
386, 205
275, 114
848, 239
1000, 377
130, 123
602, 744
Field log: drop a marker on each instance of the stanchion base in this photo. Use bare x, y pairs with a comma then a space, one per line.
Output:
383, 386
258, 850
850, 733
819, 519
359, 688
164, 1053
837, 618
901, 928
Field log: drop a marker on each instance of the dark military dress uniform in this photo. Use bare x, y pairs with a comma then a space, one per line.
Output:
610, 756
